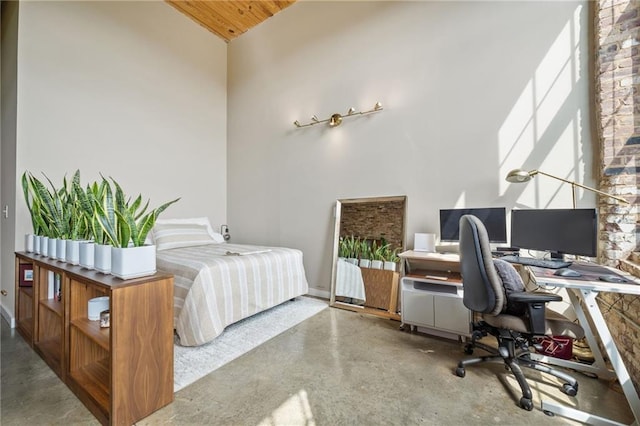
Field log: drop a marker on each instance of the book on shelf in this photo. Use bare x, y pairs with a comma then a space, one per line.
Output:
50, 285
54, 286
58, 286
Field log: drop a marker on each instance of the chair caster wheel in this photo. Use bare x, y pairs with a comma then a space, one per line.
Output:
468, 349
549, 413
526, 404
569, 389
460, 372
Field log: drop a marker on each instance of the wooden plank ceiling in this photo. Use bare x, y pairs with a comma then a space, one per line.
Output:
229, 19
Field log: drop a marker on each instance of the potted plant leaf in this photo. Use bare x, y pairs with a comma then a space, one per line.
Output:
343, 248
377, 255
76, 220
32, 241
351, 251
62, 205
103, 224
130, 257
390, 258
365, 254
85, 207
51, 218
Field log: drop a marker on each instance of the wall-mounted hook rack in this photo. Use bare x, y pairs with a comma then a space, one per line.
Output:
336, 118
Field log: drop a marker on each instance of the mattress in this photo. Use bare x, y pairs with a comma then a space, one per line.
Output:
217, 285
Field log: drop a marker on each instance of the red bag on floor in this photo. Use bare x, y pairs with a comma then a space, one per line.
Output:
557, 346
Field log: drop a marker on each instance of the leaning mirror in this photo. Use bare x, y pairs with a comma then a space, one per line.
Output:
369, 234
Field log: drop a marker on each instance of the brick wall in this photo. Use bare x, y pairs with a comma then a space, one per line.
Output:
617, 115
374, 220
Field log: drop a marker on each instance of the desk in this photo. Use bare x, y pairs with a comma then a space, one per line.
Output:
582, 293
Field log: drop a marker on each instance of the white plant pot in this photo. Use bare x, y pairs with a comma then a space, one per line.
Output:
86, 254
133, 262
36, 244
376, 264
102, 258
73, 252
365, 263
52, 249
44, 246
61, 249
390, 266
28, 243
352, 260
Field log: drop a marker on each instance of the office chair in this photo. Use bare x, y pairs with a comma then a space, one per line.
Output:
494, 289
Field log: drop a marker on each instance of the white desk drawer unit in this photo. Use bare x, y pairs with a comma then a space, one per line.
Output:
431, 295
436, 306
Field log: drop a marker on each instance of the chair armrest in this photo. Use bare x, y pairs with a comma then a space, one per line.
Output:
532, 297
535, 308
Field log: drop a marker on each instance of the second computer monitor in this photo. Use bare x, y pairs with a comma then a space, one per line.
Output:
493, 218
558, 231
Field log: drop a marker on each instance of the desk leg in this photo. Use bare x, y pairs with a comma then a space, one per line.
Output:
602, 370
596, 330
589, 298
599, 366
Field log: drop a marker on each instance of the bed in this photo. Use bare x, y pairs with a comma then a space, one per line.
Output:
217, 284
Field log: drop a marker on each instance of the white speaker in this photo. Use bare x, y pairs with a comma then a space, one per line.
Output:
97, 305
424, 242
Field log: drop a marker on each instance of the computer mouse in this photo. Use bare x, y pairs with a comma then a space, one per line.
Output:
566, 272
611, 278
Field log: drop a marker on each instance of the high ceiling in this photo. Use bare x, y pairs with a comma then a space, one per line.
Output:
229, 19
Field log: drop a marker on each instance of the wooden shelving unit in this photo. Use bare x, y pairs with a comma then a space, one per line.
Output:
122, 373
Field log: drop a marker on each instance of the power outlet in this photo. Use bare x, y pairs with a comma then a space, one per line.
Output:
224, 230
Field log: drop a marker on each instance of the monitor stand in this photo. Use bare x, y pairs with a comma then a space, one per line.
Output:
557, 255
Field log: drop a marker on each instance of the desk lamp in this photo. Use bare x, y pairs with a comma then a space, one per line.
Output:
521, 176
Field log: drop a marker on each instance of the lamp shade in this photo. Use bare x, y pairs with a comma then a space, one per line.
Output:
519, 176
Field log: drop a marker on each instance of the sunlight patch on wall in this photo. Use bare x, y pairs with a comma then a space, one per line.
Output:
544, 192
540, 131
462, 202
516, 137
294, 411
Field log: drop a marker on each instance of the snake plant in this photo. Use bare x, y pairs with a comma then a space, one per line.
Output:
125, 223
99, 211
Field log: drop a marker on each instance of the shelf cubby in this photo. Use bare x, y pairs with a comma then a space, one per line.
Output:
103, 368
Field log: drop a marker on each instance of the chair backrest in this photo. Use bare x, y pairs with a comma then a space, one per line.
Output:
483, 290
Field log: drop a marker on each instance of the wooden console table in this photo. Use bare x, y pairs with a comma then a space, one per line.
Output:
122, 373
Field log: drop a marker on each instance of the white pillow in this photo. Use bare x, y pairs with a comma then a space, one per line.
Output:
171, 236
217, 237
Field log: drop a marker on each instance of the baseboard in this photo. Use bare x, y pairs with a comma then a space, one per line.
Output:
319, 293
8, 317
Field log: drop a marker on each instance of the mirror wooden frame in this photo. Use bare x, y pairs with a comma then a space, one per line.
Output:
393, 310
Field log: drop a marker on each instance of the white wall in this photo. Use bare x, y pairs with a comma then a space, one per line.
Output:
471, 90
133, 90
8, 105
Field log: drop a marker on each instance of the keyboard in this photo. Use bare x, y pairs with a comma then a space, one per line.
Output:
532, 261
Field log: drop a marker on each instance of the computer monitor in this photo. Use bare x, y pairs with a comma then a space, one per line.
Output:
558, 231
493, 218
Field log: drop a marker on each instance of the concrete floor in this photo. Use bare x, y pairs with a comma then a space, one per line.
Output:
336, 368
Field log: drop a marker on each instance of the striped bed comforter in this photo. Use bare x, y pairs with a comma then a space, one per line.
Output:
213, 290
